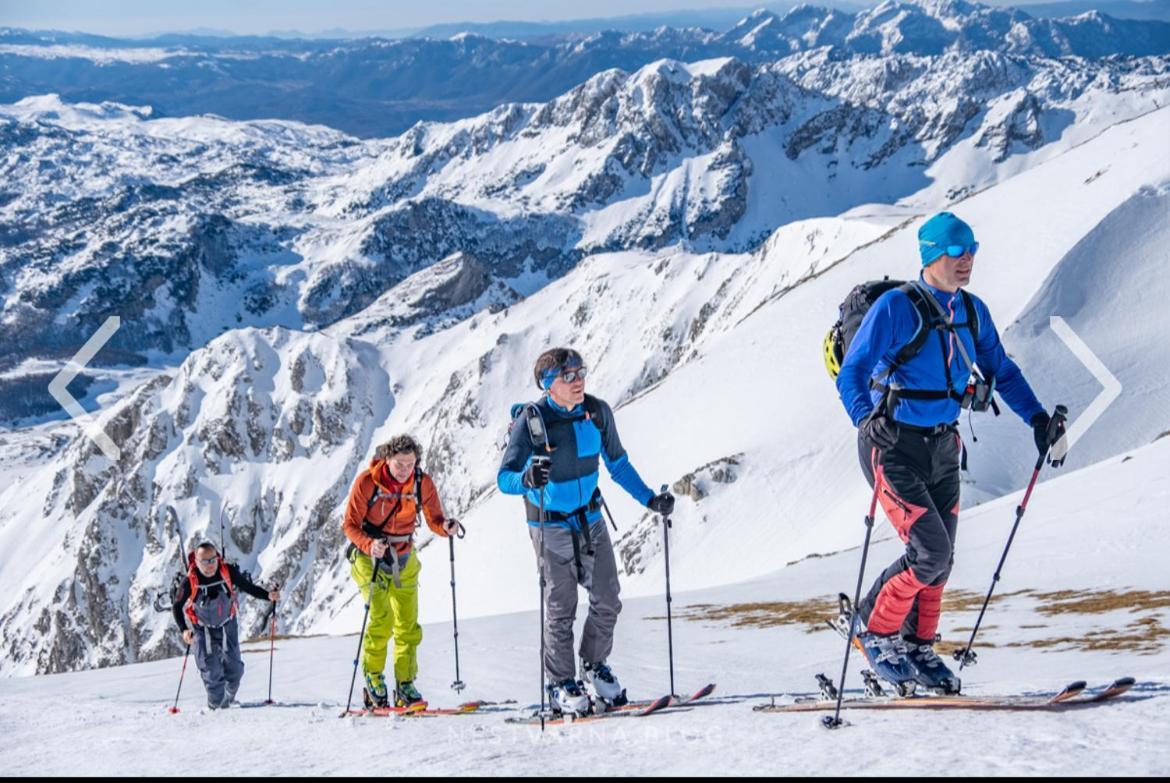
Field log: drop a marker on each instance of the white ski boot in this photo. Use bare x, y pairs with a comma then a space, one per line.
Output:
604, 684
569, 698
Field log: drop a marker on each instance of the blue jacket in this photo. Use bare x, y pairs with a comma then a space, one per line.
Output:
577, 443
890, 324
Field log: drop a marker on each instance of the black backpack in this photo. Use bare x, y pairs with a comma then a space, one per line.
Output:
858, 302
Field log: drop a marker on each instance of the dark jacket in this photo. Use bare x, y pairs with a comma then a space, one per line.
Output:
239, 582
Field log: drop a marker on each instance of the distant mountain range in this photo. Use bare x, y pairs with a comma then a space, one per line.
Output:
377, 87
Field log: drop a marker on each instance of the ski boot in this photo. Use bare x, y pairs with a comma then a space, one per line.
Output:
569, 698
229, 698
888, 657
932, 673
406, 695
374, 694
605, 685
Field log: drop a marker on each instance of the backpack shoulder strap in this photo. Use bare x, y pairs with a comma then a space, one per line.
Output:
226, 575
530, 411
926, 319
972, 314
375, 496
592, 407
418, 501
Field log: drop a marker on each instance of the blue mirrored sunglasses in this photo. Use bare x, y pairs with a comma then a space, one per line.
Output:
955, 251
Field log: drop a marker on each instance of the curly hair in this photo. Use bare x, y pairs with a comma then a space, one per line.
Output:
399, 444
554, 359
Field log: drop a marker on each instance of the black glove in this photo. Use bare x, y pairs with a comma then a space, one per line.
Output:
882, 430
537, 474
1054, 444
1040, 424
662, 504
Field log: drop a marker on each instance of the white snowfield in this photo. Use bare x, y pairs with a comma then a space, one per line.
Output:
115, 721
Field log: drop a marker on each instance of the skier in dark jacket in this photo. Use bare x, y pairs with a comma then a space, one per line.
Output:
580, 430
908, 440
205, 611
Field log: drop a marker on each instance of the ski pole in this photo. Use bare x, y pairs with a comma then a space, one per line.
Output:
605, 507
1055, 425
362, 634
539, 436
669, 623
173, 710
271, 652
835, 721
543, 673
458, 685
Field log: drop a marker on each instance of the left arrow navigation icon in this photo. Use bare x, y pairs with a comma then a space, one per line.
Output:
57, 387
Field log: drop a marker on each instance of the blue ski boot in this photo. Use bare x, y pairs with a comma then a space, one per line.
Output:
933, 674
887, 655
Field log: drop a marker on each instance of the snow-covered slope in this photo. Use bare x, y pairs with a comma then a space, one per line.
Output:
758, 391
1070, 609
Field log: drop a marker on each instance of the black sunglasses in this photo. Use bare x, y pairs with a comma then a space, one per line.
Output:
568, 376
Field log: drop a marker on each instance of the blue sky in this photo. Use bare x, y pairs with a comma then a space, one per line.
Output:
134, 17
140, 17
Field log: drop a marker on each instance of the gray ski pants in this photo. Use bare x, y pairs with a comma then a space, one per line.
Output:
217, 654
598, 574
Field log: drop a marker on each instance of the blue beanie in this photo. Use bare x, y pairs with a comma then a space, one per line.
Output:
941, 230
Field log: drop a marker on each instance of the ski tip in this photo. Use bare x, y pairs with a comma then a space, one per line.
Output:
1078, 685
662, 702
1124, 682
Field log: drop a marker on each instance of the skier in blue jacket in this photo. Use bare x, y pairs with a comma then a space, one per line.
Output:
908, 439
559, 475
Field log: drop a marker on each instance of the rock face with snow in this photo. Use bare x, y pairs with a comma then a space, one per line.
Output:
240, 420
188, 228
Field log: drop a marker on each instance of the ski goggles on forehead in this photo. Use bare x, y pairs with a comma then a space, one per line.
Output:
954, 251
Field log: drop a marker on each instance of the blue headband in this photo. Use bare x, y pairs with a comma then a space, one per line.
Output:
549, 376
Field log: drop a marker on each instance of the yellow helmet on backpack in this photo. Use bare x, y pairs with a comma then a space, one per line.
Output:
834, 354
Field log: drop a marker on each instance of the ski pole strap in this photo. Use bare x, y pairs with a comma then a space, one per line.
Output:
577, 555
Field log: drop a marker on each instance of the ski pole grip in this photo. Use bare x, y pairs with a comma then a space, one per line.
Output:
661, 491
1056, 422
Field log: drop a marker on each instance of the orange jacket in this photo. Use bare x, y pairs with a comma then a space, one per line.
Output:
392, 513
